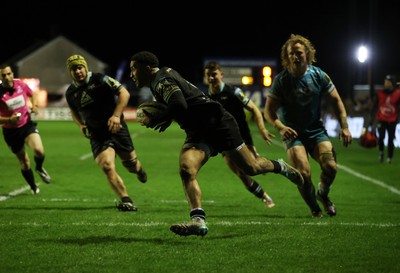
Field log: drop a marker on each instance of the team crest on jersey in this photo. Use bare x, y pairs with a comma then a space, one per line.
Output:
85, 99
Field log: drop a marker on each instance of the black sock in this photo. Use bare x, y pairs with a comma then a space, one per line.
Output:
277, 166
39, 162
126, 199
29, 178
256, 189
308, 194
199, 212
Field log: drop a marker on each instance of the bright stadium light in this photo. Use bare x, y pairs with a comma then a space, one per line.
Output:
362, 54
247, 80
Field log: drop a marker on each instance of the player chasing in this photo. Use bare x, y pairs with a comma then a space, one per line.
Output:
235, 102
97, 102
293, 107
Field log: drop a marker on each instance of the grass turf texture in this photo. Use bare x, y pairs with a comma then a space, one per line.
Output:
73, 225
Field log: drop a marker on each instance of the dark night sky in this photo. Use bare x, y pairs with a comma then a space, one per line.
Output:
182, 35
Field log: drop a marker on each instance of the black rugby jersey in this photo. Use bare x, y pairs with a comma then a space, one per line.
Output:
201, 111
95, 101
235, 101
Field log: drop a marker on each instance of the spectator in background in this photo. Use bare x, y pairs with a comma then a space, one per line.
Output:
17, 101
293, 107
235, 102
386, 109
97, 102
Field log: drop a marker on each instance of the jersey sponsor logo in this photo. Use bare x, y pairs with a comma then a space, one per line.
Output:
16, 102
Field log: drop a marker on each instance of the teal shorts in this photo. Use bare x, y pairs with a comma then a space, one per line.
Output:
308, 139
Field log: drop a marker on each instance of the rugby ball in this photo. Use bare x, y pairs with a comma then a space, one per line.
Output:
153, 110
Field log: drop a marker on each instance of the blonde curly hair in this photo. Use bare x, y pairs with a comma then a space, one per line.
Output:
294, 39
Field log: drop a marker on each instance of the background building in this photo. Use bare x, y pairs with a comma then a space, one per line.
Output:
43, 68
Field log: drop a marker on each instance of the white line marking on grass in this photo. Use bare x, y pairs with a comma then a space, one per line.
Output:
149, 224
227, 223
221, 223
185, 201
14, 193
85, 156
369, 179
96, 200
4, 197
20, 190
84, 200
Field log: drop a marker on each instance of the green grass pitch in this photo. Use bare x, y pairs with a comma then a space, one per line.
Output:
73, 225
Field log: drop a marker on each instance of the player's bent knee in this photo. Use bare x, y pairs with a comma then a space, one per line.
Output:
187, 173
327, 158
130, 164
328, 163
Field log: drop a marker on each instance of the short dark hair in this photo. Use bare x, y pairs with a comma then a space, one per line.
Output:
212, 65
146, 58
2, 66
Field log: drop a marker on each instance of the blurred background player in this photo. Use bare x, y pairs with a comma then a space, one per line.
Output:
386, 109
96, 102
17, 101
235, 102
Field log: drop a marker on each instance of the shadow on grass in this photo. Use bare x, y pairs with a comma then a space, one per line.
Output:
173, 240
109, 239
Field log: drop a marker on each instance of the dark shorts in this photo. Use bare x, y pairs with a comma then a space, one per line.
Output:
15, 137
120, 142
248, 139
222, 137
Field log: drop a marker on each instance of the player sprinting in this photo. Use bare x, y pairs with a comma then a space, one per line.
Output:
209, 129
